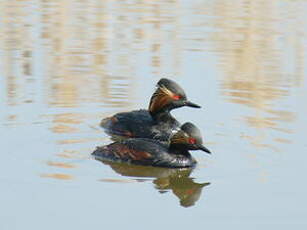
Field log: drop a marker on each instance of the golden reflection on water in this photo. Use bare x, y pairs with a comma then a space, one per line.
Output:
60, 164
69, 154
82, 53
261, 52
58, 176
70, 54
73, 48
92, 43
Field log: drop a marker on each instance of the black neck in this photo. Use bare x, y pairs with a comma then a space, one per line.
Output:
179, 149
163, 116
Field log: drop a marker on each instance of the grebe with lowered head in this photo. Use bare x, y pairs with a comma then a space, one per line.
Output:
142, 151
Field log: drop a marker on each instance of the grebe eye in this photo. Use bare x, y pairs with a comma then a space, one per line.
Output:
192, 140
176, 97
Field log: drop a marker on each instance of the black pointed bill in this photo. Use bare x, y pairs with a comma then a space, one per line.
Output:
191, 104
203, 148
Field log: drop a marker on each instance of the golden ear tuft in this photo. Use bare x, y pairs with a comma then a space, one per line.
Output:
161, 98
169, 93
180, 137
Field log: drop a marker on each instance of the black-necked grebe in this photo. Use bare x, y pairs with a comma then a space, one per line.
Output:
142, 151
156, 122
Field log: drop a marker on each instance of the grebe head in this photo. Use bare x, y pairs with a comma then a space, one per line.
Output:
189, 138
168, 95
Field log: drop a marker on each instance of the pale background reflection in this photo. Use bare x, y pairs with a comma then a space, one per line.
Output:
64, 65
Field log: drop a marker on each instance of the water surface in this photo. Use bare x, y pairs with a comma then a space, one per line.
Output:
67, 64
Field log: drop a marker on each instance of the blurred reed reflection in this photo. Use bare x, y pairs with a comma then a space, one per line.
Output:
80, 38
93, 52
58, 176
97, 44
254, 41
16, 46
66, 122
70, 54
179, 181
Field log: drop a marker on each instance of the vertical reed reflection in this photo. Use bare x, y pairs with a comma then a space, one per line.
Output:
71, 54
16, 44
256, 42
97, 44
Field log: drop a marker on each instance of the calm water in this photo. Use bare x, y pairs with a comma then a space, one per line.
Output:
67, 64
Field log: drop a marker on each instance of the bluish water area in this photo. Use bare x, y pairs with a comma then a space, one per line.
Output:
65, 65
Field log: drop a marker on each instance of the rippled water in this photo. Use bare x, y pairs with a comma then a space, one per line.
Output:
67, 64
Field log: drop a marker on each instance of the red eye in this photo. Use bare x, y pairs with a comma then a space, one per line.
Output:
192, 140
176, 97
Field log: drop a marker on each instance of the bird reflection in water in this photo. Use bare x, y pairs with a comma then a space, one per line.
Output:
165, 179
